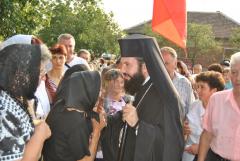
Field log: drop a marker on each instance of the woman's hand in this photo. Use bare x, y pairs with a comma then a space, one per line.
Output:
98, 126
192, 149
186, 129
42, 130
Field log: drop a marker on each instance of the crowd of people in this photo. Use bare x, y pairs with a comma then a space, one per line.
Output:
60, 105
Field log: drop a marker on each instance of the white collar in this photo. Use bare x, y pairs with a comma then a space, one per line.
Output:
146, 80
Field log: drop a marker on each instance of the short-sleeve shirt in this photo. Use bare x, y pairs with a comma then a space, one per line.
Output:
70, 136
222, 119
16, 128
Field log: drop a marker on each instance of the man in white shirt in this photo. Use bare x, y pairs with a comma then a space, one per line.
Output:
181, 83
69, 42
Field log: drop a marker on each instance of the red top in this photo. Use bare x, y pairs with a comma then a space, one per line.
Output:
51, 88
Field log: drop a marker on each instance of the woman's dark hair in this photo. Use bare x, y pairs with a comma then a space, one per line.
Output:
58, 49
111, 74
215, 67
212, 78
180, 67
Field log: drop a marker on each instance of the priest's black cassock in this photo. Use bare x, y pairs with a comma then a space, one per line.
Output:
159, 136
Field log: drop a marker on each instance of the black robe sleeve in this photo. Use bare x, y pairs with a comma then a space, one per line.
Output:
159, 133
147, 136
110, 137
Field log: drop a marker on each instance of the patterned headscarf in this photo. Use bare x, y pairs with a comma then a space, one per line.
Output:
20, 69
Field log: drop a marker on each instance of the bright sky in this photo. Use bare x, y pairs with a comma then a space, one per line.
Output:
128, 13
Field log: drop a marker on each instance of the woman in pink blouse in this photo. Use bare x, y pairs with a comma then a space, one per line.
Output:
221, 122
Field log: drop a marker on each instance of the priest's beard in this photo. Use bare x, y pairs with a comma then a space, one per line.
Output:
134, 84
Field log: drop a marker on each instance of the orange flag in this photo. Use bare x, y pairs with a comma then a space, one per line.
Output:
169, 20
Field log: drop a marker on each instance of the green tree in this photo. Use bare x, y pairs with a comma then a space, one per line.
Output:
200, 41
92, 28
235, 38
85, 19
22, 16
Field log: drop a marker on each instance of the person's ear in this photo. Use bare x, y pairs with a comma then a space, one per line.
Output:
175, 64
144, 69
214, 90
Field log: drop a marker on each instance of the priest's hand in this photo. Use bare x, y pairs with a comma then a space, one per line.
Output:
130, 115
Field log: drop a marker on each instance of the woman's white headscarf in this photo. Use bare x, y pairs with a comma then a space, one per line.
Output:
16, 39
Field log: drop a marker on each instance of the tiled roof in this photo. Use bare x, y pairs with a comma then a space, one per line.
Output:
222, 24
